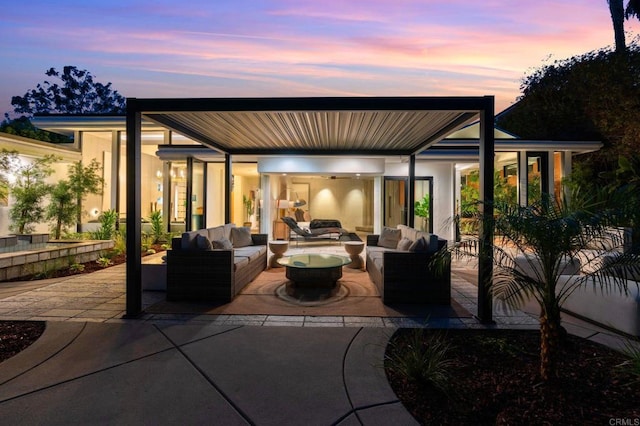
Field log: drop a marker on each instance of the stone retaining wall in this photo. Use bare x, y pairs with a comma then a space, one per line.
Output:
23, 263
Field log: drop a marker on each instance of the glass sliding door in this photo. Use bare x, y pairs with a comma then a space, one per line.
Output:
423, 208
537, 176
197, 195
178, 194
396, 208
395, 201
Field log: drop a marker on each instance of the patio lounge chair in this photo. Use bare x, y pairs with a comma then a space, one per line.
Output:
315, 234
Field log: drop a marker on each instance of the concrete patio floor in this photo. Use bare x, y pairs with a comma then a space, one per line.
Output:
100, 297
93, 366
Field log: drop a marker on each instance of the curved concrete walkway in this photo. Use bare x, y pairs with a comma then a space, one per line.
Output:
210, 369
141, 373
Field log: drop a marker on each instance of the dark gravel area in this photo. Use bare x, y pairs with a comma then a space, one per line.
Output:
493, 379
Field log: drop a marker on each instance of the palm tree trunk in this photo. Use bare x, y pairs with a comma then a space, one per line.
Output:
550, 336
616, 7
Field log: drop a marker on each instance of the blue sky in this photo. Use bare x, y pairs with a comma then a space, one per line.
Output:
297, 47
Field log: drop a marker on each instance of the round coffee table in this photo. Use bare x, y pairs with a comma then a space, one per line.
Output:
278, 248
314, 270
354, 248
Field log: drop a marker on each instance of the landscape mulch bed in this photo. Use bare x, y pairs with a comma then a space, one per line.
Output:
494, 379
16, 336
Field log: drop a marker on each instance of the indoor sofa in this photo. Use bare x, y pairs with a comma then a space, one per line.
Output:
402, 264
214, 264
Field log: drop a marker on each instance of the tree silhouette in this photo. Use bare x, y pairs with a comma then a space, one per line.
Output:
77, 93
618, 14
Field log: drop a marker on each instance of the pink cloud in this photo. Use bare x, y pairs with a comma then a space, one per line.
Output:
309, 47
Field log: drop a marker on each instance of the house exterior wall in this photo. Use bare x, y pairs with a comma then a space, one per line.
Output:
97, 145
28, 150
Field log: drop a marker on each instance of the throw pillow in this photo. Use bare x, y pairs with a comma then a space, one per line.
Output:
241, 237
404, 244
419, 246
222, 244
389, 238
203, 243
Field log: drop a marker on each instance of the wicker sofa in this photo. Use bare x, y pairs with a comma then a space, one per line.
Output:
214, 264
403, 273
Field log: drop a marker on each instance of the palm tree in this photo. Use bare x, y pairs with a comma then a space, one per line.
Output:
537, 244
618, 14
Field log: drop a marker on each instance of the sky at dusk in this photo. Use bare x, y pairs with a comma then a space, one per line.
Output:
220, 48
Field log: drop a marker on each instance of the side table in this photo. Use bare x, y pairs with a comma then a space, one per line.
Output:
281, 230
278, 248
354, 248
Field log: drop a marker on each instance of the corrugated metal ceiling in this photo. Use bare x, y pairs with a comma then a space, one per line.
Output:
378, 126
316, 130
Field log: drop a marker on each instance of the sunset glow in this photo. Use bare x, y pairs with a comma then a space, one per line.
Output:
299, 48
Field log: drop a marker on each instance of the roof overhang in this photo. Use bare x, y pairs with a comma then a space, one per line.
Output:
33, 148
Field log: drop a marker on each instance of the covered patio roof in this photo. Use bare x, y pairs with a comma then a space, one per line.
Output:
385, 126
314, 126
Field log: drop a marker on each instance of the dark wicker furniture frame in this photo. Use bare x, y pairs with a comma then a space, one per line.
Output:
408, 277
200, 275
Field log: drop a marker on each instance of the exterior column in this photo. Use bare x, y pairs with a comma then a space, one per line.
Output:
550, 174
116, 145
188, 211
411, 194
566, 160
485, 247
228, 188
77, 138
457, 201
166, 185
166, 194
134, 210
523, 170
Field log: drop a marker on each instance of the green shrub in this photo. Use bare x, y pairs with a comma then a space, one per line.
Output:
421, 358
76, 268
107, 229
104, 261
157, 230
120, 242
632, 351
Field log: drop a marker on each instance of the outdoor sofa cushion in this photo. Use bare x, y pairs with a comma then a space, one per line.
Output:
241, 237
404, 244
222, 244
203, 242
389, 238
